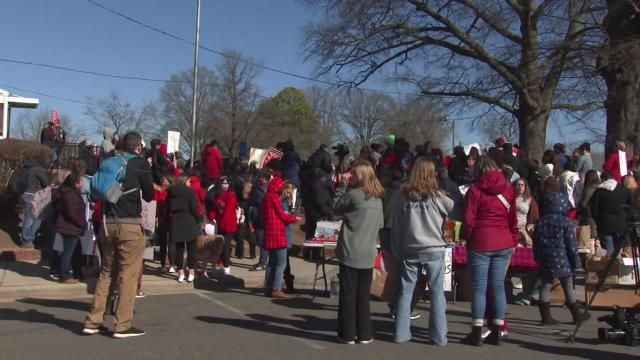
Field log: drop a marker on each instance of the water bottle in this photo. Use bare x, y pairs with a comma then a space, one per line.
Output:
335, 287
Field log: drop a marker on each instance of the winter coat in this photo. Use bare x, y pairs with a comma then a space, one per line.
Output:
488, 224
255, 203
37, 177
321, 159
222, 208
584, 207
584, 164
200, 193
457, 166
184, 218
160, 196
362, 219
213, 163
291, 167
607, 208
71, 218
319, 200
613, 165
274, 217
554, 239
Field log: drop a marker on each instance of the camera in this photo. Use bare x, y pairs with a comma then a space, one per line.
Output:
341, 150
625, 327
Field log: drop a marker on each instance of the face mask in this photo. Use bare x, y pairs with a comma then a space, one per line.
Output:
224, 187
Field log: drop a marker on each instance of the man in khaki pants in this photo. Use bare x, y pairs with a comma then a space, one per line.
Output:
124, 240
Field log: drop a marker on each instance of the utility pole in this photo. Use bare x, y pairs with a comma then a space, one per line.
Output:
195, 84
453, 135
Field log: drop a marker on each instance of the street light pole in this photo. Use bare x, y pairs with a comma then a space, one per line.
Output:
195, 84
453, 135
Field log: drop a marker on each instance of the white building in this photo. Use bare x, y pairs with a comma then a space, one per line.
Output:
9, 101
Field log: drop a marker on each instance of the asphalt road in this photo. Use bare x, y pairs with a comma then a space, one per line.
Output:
240, 324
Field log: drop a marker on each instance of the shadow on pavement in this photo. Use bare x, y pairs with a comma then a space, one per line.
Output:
60, 304
34, 316
584, 353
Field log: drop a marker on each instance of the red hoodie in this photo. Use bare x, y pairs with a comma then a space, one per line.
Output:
197, 189
274, 217
488, 225
213, 163
223, 211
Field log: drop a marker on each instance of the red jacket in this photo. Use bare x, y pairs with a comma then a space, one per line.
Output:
197, 189
488, 225
274, 217
613, 165
223, 211
160, 197
213, 163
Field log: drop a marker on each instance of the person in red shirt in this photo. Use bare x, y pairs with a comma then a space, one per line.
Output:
613, 163
196, 187
275, 236
491, 230
213, 163
222, 209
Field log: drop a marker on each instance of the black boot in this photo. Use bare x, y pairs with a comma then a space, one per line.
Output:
579, 314
545, 314
495, 338
288, 281
475, 337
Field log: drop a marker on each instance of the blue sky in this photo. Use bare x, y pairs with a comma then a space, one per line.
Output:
77, 34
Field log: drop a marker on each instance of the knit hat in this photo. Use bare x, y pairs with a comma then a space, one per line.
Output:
390, 139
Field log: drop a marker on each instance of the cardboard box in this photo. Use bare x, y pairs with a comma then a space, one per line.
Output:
595, 270
608, 297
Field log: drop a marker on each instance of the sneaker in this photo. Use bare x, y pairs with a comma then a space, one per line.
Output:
343, 341
415, 315
140, 295
164, 270
70, 281
191, 277
172, 270
131, 332
181, 278
54, 276
227, 270
258, 268
365, 342
91, 331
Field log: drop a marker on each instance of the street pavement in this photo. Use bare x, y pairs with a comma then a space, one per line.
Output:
223, 320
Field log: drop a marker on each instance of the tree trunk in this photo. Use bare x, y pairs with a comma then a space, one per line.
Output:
621, 72
532, 123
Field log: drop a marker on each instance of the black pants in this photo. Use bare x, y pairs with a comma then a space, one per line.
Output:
354, 312
191, 259
226, 253
287, 270
244, 233
166, 246
310, 225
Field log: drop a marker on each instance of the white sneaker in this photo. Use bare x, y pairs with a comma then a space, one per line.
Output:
191, 277
227, 270
172, 270
181, 278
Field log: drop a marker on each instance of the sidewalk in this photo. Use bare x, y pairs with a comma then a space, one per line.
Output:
20, 279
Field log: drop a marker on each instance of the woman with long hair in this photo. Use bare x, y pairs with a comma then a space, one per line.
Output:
417, 241
491, 231
222, 209
528, 212
591, 183
184, 219
359, 201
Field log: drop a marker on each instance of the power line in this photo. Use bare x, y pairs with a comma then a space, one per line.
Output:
44, 94
220, 53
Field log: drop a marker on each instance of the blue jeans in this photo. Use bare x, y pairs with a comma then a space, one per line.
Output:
275, 271
609, 242
69, 246
488, 269
30, 225
264, 254
410, 268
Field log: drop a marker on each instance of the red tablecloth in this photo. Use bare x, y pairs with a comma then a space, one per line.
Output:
521, 261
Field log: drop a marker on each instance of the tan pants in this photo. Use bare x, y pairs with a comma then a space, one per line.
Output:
126, 242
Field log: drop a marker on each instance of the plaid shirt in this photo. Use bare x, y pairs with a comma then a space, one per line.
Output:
275, 218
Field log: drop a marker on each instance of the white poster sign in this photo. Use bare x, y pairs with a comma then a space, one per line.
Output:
448, 269
623, 162
257, 155
173, 141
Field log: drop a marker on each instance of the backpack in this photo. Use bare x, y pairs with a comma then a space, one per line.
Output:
18, 181
107, 183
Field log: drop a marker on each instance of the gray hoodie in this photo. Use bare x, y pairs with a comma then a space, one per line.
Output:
107, 143
417, 225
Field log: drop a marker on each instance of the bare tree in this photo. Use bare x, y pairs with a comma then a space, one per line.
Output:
419, 119
492, 128
324, 104
176, 100
116, 113
513, 57
29, 124
364, 116
235, 101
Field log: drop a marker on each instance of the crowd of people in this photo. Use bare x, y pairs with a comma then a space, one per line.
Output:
387, 196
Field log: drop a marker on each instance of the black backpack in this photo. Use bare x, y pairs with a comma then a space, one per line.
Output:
18, 181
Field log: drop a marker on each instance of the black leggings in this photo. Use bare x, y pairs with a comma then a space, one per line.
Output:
191, 259
226, 254
166, 246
